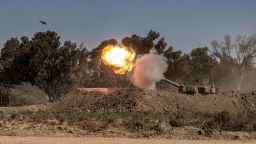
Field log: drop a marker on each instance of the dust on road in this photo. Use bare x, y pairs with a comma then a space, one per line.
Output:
83, 140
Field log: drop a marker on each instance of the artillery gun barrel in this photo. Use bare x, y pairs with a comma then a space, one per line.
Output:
172, 83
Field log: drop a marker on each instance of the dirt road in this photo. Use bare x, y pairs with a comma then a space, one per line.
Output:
83, 140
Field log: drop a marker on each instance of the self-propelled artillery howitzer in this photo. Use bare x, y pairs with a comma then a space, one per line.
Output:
194, 90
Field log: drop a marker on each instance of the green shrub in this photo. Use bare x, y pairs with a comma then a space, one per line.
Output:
238, 125
176, 119
223, 119
4, 95
26, 94
209, 125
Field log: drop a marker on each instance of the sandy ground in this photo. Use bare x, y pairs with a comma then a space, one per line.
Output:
83, 140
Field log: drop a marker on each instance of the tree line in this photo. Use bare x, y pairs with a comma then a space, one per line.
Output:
57, 67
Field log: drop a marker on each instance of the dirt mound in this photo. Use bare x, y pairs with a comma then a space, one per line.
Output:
102, 90
121, 100
77, 101
136, 113
248, 100
159, 101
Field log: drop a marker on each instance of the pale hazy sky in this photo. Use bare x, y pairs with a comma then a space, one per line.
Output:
185, 24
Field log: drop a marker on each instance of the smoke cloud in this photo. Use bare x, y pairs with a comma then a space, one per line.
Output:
149, 69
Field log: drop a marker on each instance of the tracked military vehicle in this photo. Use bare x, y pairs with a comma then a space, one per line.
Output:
193, 90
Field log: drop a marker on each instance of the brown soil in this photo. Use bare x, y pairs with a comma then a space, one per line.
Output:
160, 101
82, 140
131, 100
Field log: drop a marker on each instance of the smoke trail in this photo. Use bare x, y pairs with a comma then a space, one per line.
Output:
149, 69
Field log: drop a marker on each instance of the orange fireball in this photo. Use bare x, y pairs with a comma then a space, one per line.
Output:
118, 57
